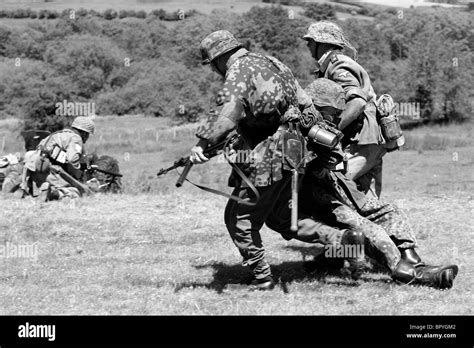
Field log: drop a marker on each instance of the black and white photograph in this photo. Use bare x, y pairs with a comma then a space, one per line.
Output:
260, 159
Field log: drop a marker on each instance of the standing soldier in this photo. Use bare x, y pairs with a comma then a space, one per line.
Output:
53, 170
261, 99
363, 140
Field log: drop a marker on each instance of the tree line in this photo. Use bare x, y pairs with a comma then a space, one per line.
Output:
152, 66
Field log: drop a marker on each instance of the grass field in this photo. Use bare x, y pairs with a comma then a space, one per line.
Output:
160, 250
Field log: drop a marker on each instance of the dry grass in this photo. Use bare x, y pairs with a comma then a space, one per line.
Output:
168, 251
171, 254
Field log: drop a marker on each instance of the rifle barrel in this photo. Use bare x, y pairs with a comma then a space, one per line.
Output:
95, 167
184, 174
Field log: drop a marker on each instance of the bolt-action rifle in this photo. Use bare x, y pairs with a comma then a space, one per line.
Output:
209, 152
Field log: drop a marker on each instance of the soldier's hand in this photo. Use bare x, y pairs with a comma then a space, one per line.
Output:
197, 155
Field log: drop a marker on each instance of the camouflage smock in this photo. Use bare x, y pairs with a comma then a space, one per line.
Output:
257, 92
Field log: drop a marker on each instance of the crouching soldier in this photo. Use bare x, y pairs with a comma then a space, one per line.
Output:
53, 170
335, 200
11, 167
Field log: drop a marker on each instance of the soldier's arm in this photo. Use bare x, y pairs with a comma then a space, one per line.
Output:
217, 128
351, 79
230, 102
219, 125
74, 152
351, 113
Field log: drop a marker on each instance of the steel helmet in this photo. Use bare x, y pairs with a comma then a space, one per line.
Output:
84, 124
216, 44
325, 92
328, 32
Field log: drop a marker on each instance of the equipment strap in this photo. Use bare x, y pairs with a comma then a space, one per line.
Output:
227, 195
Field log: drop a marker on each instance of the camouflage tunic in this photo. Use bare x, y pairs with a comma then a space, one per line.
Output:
257, 94
337, 199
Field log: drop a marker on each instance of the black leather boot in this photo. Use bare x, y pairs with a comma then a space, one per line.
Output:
411, 256
266, 283
440, 277
356, 238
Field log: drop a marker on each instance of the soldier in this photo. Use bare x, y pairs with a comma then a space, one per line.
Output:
335, 200
52, 171
11, 167
260, 97
363, 140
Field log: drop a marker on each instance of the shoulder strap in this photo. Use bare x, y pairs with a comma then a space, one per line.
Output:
43, 147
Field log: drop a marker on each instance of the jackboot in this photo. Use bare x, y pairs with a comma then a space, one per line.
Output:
412, 257
440, 277
356, 262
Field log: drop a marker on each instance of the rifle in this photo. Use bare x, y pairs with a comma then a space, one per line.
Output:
209, 152
95, 168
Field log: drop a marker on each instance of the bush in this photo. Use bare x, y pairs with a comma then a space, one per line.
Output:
141, 14
132, 13
52, 14
20, 13
110, 14
158, 13
95, 13
82, 12
123, 14
318, 12
88, 61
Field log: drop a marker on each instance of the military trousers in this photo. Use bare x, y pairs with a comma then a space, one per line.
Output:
392, 219
364, 166
273, 209
332, 206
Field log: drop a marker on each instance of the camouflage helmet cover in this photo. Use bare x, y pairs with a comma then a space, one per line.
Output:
326, 32
84, 124
325, 92
216, 44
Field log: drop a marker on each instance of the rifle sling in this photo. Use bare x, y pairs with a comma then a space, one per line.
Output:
244, 179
